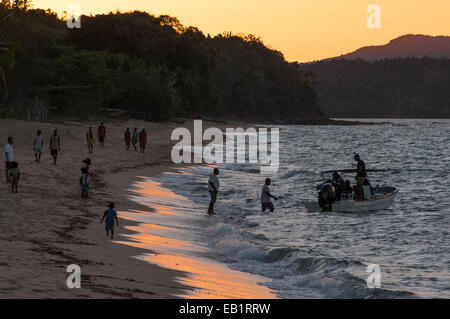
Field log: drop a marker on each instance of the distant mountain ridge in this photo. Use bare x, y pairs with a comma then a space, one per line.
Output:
386, 81
410, 45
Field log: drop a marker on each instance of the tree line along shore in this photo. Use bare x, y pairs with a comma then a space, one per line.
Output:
154, 68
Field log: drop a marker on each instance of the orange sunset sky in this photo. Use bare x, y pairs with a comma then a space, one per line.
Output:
303, 30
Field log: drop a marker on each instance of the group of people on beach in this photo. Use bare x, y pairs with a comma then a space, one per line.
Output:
213, 188
12, 172
134, 138
101, 136
54, 146
129, 138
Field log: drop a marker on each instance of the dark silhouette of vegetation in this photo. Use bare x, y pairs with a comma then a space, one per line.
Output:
153, 67
401, 87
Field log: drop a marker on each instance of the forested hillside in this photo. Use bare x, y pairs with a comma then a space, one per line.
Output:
154, 67
406, 46
401, 87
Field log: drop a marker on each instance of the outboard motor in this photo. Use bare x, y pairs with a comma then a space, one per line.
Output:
326, 196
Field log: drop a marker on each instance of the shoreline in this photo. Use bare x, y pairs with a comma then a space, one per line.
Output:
166, 226
48, 226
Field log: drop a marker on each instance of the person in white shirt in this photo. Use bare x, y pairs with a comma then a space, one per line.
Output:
8, 156
266, 202
38, 143
213, 188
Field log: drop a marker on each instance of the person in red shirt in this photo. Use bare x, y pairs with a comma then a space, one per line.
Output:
127, 138
101, 134
142, 140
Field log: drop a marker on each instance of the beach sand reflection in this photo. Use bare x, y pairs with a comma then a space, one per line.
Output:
208, 279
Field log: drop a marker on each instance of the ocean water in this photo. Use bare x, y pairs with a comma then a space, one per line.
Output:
292, 253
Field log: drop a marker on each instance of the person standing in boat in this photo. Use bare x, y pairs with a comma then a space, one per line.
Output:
361, 176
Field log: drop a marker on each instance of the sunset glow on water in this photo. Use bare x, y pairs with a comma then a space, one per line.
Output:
207, 278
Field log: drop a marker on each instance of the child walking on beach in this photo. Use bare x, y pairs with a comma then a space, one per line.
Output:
85, 179
110, 215
14, 175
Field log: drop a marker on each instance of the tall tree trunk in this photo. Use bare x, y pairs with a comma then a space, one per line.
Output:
5, 85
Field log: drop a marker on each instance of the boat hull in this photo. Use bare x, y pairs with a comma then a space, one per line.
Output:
381, 202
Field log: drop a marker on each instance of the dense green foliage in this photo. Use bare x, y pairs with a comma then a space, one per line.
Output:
154, 67
407, 87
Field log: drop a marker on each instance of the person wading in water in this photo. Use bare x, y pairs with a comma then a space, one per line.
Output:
213, 188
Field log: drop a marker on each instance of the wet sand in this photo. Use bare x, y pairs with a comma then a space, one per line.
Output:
166, 227
48, 226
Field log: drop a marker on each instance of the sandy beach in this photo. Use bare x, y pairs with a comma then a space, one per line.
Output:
48, 226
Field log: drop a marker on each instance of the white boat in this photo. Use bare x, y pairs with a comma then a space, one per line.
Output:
383, 198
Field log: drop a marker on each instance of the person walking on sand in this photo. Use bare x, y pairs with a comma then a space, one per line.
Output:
127, 138
90, 140
8, 157
101, 134
213, 188
85, 180
55, 146
134, 139
266, 202
38, 143
142, 140
110, 215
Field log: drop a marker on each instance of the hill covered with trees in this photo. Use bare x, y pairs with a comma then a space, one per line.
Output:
153, 67
406, 46
387, 88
